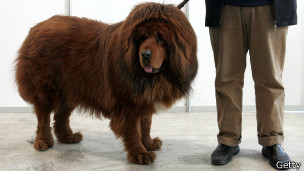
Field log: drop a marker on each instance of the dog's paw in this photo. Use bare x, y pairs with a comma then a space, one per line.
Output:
70, 139
144, 158
43, 145
155, 144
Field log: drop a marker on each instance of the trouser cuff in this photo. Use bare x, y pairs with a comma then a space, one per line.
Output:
228, 141
271, 140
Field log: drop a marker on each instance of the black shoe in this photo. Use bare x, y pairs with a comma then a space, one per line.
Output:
276, 155
223, 154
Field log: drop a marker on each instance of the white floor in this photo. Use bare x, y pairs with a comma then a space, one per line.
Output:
188, 141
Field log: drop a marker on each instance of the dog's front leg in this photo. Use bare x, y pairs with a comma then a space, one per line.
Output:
128, 127
149, 143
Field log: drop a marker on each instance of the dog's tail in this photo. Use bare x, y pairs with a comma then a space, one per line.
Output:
182, 4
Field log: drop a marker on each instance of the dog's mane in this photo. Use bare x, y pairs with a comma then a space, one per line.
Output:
182, 66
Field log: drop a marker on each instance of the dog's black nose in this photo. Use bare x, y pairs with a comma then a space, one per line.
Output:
146, 54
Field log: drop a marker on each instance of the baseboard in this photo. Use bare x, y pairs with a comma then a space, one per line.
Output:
16, 110
176, 109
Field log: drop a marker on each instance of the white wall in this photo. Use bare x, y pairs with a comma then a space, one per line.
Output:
17, 16
16, 19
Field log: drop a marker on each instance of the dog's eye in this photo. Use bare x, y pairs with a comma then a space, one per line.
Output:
144, 37
141, 39
160, 38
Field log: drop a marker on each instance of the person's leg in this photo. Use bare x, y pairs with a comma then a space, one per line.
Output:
267, 52
229, 43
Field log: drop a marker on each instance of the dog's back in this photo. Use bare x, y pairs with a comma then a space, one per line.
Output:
60, 60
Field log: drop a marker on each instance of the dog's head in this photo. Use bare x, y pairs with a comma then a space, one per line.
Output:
152, 39
157, 40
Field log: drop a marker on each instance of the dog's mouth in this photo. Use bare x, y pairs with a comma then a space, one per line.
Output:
151, 70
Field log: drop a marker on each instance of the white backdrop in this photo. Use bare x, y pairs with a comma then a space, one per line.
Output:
18, 16
16, 19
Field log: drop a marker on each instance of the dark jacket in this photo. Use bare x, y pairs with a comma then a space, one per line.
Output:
285, 12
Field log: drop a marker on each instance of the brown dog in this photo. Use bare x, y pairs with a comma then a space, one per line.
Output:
118, 71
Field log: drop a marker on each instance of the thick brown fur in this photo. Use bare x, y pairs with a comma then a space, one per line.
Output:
68, 62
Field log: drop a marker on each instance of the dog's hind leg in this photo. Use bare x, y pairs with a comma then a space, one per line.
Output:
44, 139
148, 142
129, 129
62, 127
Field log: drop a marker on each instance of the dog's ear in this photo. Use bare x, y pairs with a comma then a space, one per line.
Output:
127, 44
183, 59
128, 52
183, 63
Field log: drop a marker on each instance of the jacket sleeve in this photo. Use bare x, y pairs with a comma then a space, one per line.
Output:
286, 12
213, 12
